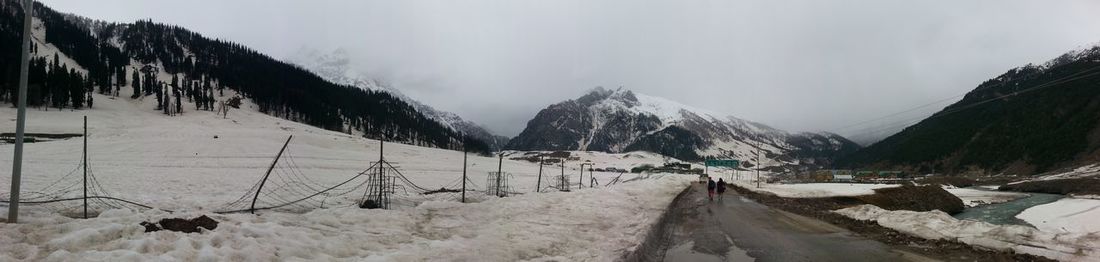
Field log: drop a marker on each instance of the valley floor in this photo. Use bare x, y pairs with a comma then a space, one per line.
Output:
197, 162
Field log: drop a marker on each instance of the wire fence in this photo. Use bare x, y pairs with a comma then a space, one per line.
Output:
286, 188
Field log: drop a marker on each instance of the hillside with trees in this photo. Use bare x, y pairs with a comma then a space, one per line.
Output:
175, 66
1030, 119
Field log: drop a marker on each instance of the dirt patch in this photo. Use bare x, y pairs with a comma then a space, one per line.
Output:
916, 198
821, 209
1076, 186
182, 225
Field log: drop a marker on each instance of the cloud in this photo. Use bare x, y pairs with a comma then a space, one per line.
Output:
797, 65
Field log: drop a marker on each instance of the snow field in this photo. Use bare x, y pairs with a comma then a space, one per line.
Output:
939, 225
599, 224
811, 190
1065, 215
176, 163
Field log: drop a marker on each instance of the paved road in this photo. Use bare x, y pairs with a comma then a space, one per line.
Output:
738, 229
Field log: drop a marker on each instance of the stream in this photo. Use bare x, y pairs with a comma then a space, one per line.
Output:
1005, 213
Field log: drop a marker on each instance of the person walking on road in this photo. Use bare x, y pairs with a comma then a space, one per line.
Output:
710, 188
721, 188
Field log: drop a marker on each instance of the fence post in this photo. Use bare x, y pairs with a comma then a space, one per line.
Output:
564, 184
381, 173
464, 153
580, 178
85, 167
21, 113
538, 184
252, 209
500, 165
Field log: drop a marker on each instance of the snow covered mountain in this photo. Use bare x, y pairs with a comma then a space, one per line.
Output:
620, 120
337, 67
1028, 120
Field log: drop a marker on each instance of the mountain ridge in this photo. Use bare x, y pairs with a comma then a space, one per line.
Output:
336, 67
152, 59
621, 120
1030, 119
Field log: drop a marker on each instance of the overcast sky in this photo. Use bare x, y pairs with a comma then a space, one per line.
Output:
806, 65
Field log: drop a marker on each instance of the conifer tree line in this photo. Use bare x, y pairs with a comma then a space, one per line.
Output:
116, 55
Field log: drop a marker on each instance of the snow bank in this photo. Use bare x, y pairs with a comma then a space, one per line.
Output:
1079, 172
975, 197
1023, 239
585, 225
1065, 215
814, 189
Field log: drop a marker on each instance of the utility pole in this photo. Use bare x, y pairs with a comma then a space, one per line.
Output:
538, 184
464, 153
758, 164
21, 116
85, 167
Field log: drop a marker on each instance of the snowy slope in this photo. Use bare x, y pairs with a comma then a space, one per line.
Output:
198, 161
1065, 215
337, 67
621, 120
1059, 245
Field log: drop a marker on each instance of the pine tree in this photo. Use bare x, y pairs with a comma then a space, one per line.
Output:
206, 94
160, 97
136, 85
167, 100
179, 103
120, 79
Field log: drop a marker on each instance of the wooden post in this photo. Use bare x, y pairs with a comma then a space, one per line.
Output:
538, 184
85, 167
268, 173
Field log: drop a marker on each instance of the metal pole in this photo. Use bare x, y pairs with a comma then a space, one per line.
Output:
464, 153
580, 178
591, 177
21, 116
268, 173
564, 184
538, 184
496, 184
85, 167
381, 171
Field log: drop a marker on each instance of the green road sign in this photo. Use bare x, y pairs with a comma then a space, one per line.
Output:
723, 162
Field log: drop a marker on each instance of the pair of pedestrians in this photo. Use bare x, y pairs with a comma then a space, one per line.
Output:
712, 186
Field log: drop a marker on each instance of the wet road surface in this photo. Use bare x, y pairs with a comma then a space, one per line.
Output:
736, 228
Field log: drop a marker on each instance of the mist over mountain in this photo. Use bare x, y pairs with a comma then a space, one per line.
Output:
1033, 118
337, 67
620, 120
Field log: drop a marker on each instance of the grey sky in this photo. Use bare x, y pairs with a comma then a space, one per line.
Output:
803, 65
